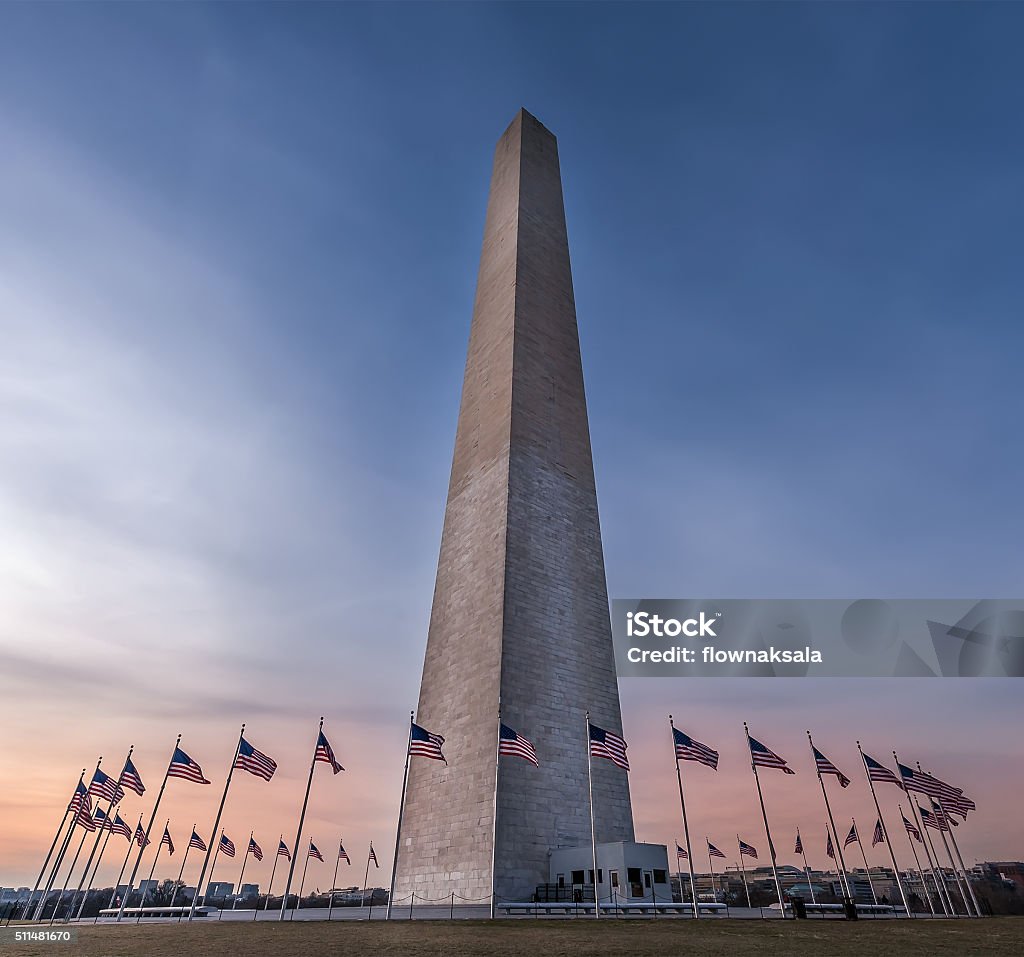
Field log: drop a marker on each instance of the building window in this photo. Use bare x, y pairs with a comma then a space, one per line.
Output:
561, 880
577, 877
647, 878
615, 878
590, 877
660, 877
600, 875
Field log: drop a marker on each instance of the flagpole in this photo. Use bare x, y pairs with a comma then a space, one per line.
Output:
940, 889
366, 877
845, 878
181, 872
216, 824
302, 883
864, 857
128, 854
933, 859
743, 871
686, 827
711, 864
944, 820
41, 909
145, 842
494, 816
56, 838
593, 829
949, 827
63, 891
767, 831
807, 870
245, 860
96, 843
401, 812
917, 861
334, 884
963, 869
152, 870
273, 871
92, 878
213, 866
885, 832
302, 819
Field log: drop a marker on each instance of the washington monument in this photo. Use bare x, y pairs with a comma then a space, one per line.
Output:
520, 610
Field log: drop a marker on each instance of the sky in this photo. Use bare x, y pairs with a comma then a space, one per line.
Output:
238, 248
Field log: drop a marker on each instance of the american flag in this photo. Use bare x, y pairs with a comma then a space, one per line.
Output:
424, 744
763, 757
130, 778
958, 805
196, 841
343, 854
852, 837
938, 812
825, 766
166, 839
119, 826
227, 846
713, 851
105, 787
688, 749
255, 850
83, 815
829, 850
140, 836
748, 850
920, 782
879, 836
681, 853
912, 830
255, 762
313, 852
607, 744
81, 793
513, 743
373, 855
324, 752
933, 821
879, 772
182, 766
799, 849
282, 851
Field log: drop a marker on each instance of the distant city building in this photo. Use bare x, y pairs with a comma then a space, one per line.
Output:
249, 890
219, 889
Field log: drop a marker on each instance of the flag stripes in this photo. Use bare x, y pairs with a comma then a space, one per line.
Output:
512, 743
182, 766
227, 846
255, 850
424, 744
324, 752
255, 762
747, 850
764, 757
825, 766
689, 749
607, 744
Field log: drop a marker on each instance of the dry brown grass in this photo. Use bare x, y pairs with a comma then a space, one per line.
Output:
572, 938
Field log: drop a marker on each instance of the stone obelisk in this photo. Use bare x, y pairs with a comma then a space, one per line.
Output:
520, 611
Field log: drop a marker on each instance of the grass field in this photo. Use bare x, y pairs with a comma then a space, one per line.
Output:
571, 938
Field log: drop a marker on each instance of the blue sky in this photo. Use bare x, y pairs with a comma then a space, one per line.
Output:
238, 246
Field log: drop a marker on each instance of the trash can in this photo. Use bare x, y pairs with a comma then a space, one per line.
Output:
850, 908
799, 908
